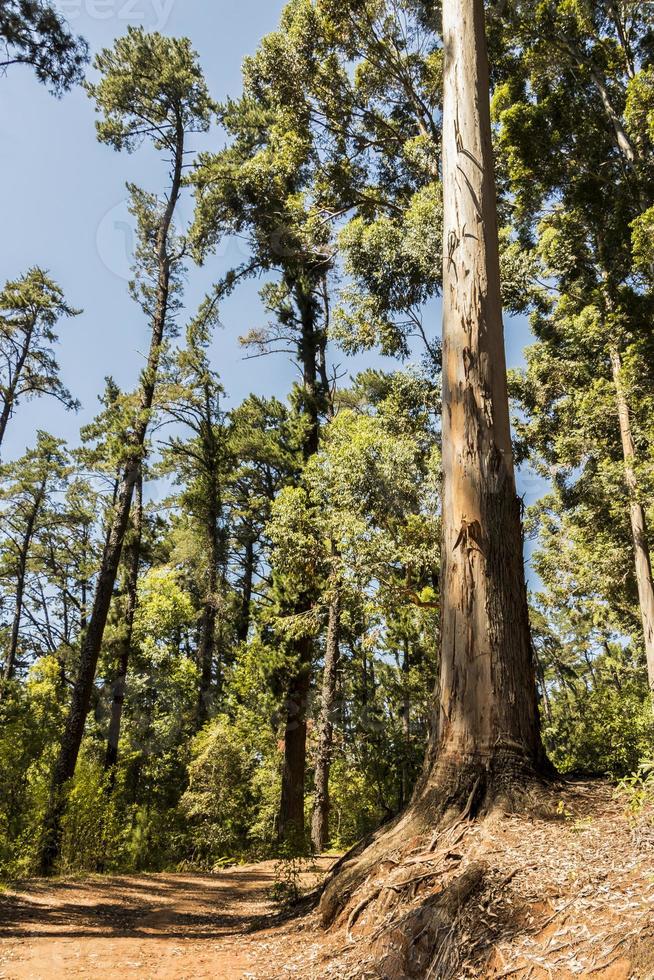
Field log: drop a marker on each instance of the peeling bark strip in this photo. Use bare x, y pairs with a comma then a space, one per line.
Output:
321, 804
488, 707
639, 530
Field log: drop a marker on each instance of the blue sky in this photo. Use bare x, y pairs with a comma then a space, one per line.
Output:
63, 208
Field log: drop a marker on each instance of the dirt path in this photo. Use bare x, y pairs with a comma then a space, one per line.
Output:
566, 893
169, 926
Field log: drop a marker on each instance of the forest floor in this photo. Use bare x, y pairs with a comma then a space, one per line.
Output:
560, 898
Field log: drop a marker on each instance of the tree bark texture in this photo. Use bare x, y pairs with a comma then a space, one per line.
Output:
488, 713
639, 531
291, 810
117, 702
320, 816
71, 741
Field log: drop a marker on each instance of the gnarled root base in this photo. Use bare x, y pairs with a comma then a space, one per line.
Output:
424, 942
453, 794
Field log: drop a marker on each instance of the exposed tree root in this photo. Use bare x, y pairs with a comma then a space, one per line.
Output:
548, 880
455, 794
423, 943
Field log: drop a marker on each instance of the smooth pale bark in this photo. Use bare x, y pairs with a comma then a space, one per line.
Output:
488, 716
117, 702
321, 808
405, 714
485, 742
639, 531
81, 698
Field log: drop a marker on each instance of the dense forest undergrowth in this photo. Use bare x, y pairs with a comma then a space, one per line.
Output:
324, 636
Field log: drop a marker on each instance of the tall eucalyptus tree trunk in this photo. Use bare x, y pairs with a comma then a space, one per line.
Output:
320, 816
639, 531
487, 732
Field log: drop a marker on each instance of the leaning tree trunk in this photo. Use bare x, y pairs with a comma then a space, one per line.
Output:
10, 663
638, 520
485, 743
71, 741
10, 391
120, 683
320, 816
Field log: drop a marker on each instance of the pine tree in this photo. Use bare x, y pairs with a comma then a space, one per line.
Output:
30, 484
151, 88
34, 33
30, 308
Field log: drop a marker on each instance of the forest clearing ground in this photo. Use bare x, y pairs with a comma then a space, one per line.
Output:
168, 926
565, 897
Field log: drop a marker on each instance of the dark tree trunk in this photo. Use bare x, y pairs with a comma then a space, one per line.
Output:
246, 594
207, 644
10, 663
71, 741
132, 562
291, 810
320, 817
10, 392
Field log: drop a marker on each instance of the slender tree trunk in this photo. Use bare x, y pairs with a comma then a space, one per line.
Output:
639, 530
4, 416
540, 674
10, 392
246, 594
10, 663
120, 683
320, 816
487, 732
207, 643
74, 729
405, 791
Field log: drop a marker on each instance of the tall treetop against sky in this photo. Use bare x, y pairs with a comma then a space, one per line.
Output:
53, 158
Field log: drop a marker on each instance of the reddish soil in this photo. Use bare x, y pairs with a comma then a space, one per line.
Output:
566, 895
222, 926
